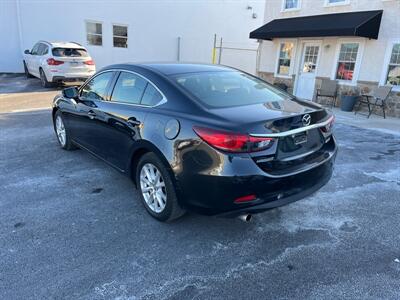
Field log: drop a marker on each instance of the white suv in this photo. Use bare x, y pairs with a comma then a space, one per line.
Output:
56, 62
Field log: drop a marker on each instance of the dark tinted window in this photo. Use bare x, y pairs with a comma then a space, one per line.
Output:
120, 36
224, 89
151, 96
129, 88
35, 49
96, 88
69, 52
42, 49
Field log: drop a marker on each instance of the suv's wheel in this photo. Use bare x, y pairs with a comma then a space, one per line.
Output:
62, 132
43, 79
27, 74
157, 189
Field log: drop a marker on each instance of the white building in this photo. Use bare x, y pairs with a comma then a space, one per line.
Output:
351, 58
133, 30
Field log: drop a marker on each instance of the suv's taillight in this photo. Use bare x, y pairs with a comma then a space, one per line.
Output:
53, 62
232, 142
89, 62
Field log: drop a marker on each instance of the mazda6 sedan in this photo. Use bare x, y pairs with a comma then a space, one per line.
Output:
203, 138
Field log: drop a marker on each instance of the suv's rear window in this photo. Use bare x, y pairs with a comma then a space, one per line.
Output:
69, 52
230, 88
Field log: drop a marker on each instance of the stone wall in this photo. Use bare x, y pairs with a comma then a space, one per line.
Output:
363, 87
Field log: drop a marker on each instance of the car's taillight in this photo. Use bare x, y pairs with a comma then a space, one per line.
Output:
244, 199
233, 142
89, 62
53, 62
328, 128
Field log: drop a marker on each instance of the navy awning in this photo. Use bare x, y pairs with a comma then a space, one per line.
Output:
361, 23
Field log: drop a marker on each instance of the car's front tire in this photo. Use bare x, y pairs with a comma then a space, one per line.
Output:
156, 189
27, 74
62, 132
43, 79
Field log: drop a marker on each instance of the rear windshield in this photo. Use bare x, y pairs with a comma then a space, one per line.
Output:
69, 52
230, 88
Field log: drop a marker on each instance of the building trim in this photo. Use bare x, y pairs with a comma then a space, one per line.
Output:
283, 9
327, 4
386, 61
358, 62
86, 32
292, 59
367, 82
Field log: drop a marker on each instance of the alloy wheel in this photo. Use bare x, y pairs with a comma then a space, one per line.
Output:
152, 186
60, 130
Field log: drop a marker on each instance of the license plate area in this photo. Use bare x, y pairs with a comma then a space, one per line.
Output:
74, 64
300, 138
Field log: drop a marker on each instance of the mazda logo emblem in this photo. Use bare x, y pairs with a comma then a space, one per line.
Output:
306, 120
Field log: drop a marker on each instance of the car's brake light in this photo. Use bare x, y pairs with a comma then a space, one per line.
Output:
233, 142
89, 62
53, 62
328, 128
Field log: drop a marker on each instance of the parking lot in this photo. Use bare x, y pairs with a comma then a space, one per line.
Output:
73, 227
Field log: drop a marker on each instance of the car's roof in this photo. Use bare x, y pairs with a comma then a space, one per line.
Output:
73, 45
172, 68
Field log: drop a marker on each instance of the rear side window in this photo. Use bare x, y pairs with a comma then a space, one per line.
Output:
43, 49
151, 96
129, 88
69, 52
96, 89
35, 49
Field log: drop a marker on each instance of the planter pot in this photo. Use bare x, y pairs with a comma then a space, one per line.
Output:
347, 102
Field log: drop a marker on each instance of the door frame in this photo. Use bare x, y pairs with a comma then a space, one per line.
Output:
300, 49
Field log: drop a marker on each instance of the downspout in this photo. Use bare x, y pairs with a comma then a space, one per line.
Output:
258, 57
17, 2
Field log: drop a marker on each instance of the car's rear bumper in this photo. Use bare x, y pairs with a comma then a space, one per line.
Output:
214, 194
287, 196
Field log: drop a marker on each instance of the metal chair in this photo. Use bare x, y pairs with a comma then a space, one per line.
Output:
328, 89
379, 94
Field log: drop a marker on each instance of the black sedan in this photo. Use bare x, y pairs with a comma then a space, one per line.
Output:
204, 138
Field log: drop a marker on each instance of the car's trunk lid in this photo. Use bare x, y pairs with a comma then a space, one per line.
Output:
276, 119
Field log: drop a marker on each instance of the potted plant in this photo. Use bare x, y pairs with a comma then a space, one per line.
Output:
348, 99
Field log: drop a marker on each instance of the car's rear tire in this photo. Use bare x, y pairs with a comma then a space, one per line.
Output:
43, 79
156, 188
27, 74
62, 132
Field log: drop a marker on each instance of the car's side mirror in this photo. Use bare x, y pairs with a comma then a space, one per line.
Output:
27, 51
71, 93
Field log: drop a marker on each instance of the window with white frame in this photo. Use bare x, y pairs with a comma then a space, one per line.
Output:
347, 61
285, 58
120, 36
336, 2
393, 71
94, 33
291, 4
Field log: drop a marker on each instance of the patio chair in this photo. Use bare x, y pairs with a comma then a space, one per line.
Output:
377, 98
328, 89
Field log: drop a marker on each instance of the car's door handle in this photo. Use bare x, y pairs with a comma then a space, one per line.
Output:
133, 122
91, 114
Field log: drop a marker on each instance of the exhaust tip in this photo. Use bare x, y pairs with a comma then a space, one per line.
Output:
245, 217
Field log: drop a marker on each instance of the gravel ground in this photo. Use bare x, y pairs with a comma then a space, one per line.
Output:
71, 227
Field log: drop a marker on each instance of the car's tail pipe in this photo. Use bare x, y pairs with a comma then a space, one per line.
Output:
245, 217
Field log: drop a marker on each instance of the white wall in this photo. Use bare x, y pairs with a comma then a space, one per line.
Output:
10, 52
374, 51
153, 27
